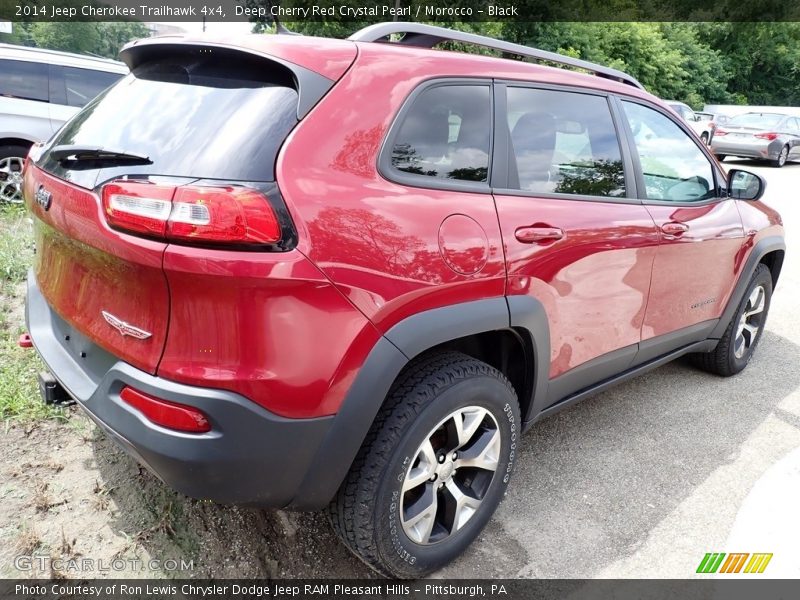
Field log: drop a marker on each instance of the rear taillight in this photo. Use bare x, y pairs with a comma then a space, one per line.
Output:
138, 207
216, 215
720, 131
167, 414
226, 215
766, 136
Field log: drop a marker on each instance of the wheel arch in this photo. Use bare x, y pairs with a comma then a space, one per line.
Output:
774, 261
510, 334
769, 251
15, 141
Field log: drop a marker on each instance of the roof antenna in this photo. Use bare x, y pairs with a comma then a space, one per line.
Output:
279, 27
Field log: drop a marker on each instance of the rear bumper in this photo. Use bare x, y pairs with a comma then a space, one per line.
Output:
250, 456
763, 149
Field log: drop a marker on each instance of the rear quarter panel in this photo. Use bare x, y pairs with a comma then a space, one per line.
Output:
378, 241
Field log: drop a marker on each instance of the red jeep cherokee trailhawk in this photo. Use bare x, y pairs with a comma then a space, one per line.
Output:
296, 272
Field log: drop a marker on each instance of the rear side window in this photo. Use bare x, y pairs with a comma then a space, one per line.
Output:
26, 80
209, 115
446, 134
564, 143
84, 84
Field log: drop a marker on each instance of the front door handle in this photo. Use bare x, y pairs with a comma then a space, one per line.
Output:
674, 228
536, 234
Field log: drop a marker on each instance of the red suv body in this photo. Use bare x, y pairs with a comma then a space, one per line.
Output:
245, 244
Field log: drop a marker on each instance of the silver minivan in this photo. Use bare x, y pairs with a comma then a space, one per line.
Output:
39, 91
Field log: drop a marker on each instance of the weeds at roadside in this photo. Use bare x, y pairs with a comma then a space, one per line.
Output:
19, 396
16, 244
28, 541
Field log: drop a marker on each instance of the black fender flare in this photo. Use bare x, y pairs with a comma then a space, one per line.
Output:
759, 251
399, 345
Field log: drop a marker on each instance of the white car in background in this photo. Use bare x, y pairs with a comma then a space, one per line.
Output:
39, 91
702, 125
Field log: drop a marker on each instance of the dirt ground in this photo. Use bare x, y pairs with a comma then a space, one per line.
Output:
68, 492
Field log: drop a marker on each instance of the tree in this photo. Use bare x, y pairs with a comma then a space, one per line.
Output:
695, 62
99, 39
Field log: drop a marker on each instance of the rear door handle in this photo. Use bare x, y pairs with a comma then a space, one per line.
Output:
538, 233
674, 229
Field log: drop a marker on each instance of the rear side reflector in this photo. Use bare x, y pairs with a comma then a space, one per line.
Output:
167, 414
216, 215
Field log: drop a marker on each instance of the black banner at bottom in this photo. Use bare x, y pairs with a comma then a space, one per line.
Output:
733, 588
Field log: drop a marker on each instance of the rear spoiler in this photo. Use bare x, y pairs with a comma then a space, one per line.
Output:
310, 86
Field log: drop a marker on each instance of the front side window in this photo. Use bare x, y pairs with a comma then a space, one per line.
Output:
673, 166
446, 134
25, 80
565, 143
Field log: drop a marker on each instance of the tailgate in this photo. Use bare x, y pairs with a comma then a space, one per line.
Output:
108, 285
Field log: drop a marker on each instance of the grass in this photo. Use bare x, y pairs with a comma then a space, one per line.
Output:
16, 245
19, 395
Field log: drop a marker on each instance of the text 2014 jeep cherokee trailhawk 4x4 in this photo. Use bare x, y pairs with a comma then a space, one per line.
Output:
296, 272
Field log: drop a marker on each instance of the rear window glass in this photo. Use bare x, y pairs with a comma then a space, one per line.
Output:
22, 79
446, 134
217, 117
84, 84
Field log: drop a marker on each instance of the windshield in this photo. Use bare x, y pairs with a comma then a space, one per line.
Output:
189, 121
756, 120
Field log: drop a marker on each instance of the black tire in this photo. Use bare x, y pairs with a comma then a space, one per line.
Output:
368, 509
721, 157
11, 151
723, 359
704, 138
782, 158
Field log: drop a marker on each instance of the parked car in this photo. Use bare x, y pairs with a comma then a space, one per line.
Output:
703, 126
39, 91
300, 272
716, 119
770, 136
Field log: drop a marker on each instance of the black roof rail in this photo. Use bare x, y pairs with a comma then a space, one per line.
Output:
427, 36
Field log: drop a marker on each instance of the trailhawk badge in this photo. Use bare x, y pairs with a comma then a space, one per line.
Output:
125, 328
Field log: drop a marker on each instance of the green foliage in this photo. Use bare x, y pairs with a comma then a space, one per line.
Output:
19, 398
16, 247
669, 59
694, 62
763, 60
98, 39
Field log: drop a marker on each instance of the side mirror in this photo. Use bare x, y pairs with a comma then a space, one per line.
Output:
744, 185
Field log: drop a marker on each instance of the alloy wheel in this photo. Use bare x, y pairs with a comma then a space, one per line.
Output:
11, 179
783, 156
750, 322
450, 474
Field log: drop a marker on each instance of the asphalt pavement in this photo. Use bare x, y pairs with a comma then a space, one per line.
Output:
645, 479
